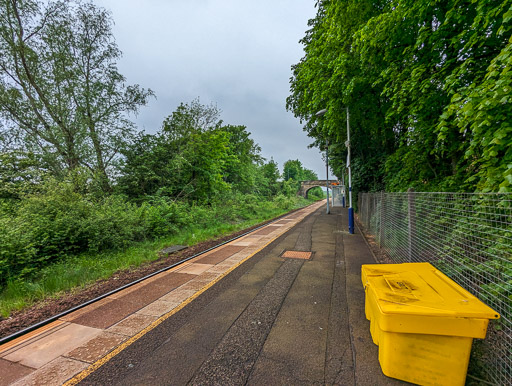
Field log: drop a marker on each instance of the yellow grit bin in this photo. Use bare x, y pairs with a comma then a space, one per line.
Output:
423, 322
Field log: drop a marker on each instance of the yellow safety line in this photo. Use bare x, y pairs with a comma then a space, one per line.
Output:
100, 362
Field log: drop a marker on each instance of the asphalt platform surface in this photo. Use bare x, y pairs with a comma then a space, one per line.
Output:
271, 321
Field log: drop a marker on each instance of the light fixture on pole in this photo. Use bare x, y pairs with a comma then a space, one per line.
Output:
347, 144
319, 114
350, 208
344, 187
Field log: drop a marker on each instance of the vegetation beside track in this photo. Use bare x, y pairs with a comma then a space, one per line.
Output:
83, 192
79, 271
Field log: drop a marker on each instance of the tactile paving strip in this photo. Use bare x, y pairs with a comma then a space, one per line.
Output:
297, 255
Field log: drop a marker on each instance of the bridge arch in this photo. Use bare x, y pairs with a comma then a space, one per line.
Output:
306, 186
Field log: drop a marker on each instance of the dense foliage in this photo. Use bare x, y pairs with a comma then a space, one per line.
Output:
427, 84
61, 96
194, 156
194, 172
59, 222
75, 175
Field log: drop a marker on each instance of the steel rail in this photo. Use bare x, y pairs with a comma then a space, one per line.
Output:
37, 325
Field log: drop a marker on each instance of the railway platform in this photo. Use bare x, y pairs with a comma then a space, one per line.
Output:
283, 305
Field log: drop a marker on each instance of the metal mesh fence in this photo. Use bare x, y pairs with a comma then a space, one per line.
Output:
466, 236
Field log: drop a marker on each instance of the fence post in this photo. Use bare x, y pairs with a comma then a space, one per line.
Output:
411, 212
359, 206
374, 211
381, 222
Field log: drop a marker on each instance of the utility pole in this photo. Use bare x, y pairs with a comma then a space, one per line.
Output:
319, 114
350, 208
327, 173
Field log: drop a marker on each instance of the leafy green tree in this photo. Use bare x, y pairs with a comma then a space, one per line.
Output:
426, 85
194, 156
268, 181
184, 160
294, 171
330, 76
60, 90
243, 161
20, 173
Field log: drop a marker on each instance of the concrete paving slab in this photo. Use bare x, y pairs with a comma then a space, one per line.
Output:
11, 372
46, 349
172, 280
221, 254
252, 249
267, 230
97, 347
160, 279
249, 237
242, 243
156, 289
220, 268
193, 285
108, 314
129, 290
178, 295
132, 324
195, 268
30, 337
158, 308
91, 307
234, 260
54, 373
208, 276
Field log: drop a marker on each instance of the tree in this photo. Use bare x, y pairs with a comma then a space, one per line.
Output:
293, 170
330, 76
60, 90
427, 85
269, 175
19, 172
185, 160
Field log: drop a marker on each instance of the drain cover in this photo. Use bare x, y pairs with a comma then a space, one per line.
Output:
297, 255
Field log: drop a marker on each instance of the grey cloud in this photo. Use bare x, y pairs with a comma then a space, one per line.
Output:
234, 53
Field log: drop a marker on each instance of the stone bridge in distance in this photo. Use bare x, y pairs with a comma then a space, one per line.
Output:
305, 186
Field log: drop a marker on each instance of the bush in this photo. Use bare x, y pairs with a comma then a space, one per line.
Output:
164, 217
58, 222
284, 202
62, 220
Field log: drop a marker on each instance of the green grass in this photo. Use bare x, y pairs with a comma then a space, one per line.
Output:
80, 271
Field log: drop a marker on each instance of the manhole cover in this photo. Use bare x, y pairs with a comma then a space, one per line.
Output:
297, 255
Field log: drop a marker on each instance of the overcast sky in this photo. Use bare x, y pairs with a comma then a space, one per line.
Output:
235, 53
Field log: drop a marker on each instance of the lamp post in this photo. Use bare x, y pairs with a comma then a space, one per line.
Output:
319, 114
350, 208
327, 174
347, 144
343, 184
